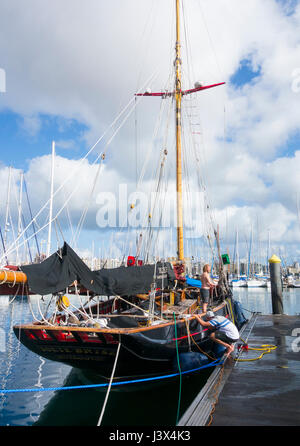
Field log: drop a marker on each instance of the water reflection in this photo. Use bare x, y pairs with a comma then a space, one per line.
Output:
259, 300
147, 404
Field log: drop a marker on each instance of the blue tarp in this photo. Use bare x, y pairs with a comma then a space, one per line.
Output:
193, 282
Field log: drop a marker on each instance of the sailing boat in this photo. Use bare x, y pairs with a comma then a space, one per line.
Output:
146, 319
253, 280
238, 282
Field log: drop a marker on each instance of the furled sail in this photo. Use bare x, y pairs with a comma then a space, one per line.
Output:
62, 268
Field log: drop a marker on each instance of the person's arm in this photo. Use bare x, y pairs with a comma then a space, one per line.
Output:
208, 280
212, 283
202, 322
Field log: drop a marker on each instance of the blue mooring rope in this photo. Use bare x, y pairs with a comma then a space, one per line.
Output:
90, 386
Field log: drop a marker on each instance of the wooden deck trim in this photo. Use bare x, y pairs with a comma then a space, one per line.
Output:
108, 330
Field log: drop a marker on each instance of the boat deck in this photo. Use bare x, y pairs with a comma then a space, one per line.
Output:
187, 306
264, 392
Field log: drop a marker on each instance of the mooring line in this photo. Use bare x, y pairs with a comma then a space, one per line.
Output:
109, 387
120, 383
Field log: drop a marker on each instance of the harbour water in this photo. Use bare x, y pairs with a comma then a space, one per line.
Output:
149, 404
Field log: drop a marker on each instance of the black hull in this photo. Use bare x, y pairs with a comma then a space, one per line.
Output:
143, 353
130, 364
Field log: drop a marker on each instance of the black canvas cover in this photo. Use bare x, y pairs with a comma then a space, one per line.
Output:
63, 267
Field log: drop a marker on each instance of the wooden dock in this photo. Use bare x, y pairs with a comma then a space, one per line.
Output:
264, 392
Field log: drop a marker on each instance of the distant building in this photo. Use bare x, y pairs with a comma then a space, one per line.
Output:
295, 269
96, 263
40, 258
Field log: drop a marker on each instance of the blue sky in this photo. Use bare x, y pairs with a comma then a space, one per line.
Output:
244, 74
22, 140
289, 5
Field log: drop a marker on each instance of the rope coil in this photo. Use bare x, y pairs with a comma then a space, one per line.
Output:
264, 348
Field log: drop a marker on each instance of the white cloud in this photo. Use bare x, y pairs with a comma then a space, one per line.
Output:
31, 125
84, 61
283, 174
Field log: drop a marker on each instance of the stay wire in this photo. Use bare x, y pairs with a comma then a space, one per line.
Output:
12, 248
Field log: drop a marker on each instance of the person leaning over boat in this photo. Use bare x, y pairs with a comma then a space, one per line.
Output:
225, 332
207, 285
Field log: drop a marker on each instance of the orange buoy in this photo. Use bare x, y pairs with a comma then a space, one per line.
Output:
8, 276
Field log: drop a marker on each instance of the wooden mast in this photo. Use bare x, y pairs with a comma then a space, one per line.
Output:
178, 93
178, 97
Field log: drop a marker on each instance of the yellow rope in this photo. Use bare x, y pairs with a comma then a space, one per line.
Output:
206, 354
265, 348
230, 306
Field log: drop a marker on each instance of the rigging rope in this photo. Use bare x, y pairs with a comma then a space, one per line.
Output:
13, 246
139, 308
85, 211
160, 196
